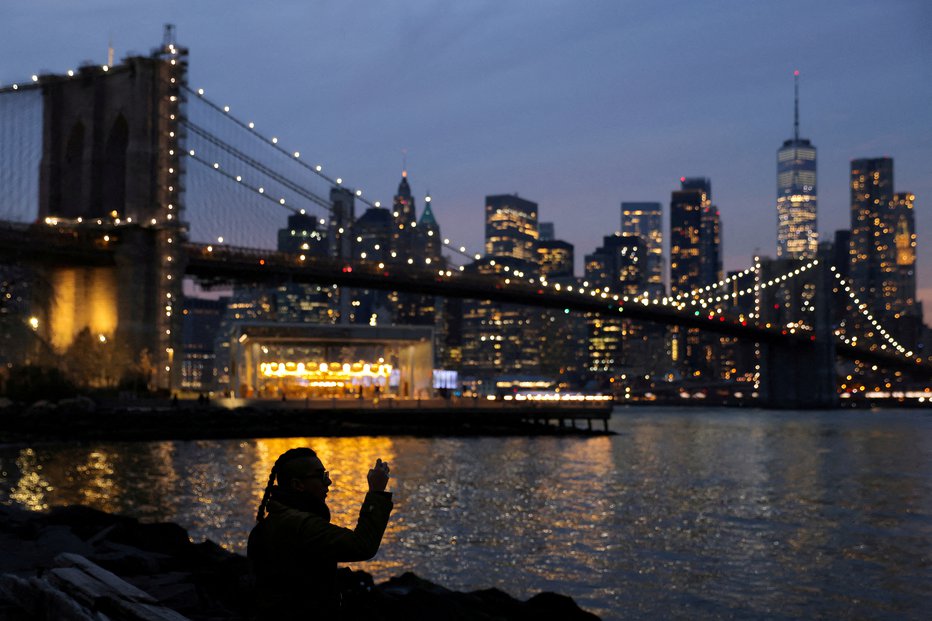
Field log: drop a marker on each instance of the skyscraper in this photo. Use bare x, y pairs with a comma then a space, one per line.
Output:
797, 204
710, 245
555, 257
904, 240
502, 338
404, 222
686, 206
695, 261
645, 220
511, 228
873, 249
617, 264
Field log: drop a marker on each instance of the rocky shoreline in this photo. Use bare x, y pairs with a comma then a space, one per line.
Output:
202, 581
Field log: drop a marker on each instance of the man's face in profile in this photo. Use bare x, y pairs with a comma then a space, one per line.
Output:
313, 478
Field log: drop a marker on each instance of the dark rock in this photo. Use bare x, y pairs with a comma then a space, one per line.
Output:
203, 581
549, 606
56, 539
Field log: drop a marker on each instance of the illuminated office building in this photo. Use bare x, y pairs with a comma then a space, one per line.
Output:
200, 326
710, 245
304, 234
404, 223
873, 246
503, 338
562, 335
555, 258
695, 261
797, 203
511, 228
904, 240
686, 208
498, 338
619, 265
646, 221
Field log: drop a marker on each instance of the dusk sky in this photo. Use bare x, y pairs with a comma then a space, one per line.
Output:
577, 105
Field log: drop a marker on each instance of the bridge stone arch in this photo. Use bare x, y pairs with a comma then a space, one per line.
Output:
115, 161
71, 188
113, 168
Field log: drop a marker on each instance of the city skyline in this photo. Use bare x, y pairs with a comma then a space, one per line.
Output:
579, 113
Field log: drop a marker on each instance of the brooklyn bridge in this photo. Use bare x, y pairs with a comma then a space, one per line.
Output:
120, 183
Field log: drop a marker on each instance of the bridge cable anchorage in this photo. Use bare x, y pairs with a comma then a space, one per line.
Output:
256, 165
273, 142
293, 156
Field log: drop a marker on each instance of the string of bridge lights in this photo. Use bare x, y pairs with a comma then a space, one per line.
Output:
862, 308
677, 302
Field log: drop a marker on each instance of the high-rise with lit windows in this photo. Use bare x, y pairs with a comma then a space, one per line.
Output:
645, 220
904, 240
404, 223
511, 228
695, 261
686, 206
797, 202
503, 338
872, 255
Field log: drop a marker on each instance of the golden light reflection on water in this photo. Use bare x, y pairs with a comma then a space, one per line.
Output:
347, 459
100, 488
32, 489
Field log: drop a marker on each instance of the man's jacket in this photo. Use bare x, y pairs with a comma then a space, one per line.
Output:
294, 555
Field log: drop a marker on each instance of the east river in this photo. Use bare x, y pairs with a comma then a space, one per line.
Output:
687, 513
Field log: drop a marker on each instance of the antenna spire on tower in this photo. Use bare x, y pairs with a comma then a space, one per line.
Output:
796, 105
404, 162
168, 35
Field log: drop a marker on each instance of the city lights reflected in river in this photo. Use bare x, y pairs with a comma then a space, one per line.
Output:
686, 513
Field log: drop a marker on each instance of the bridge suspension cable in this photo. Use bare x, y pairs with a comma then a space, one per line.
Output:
273, 143
293, 157
862, 309
255, 165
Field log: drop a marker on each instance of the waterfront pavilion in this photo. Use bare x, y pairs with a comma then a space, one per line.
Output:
303, 360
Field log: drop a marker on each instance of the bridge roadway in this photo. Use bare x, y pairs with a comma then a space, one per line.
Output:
223, 264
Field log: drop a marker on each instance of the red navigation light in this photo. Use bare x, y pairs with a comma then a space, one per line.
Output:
796, 72
812, 338
347, 268
682, 179
721, 319
540, 292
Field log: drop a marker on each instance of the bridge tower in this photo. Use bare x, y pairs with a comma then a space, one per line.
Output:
802, 375
111, 152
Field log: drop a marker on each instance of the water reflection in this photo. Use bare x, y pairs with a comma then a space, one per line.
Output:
697, 514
